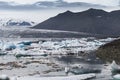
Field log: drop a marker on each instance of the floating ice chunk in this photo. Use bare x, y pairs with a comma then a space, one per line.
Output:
116, 77
67, 69
74, 77
26, 43
9, 46
20, 46
115, 67
24, 53
4, 77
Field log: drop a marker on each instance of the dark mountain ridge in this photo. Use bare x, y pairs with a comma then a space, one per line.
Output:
94, 21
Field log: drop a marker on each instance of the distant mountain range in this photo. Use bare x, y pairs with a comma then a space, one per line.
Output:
94, 21
45, 5
16, 23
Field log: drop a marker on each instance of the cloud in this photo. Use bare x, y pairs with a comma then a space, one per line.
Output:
25, 1
102, 2
46, 5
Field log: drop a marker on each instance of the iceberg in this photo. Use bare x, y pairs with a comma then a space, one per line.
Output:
4, 77
115, 68
9, 46
116, 77
24, 53
26, 43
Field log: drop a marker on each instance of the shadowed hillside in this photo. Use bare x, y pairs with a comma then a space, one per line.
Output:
110, 51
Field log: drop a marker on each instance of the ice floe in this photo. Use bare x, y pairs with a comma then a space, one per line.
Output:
74, 77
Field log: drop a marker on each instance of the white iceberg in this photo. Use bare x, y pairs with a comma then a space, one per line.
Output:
115, 67
116, 77
4, 77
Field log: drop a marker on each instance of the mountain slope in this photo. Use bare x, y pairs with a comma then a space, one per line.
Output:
110, 51
93, 21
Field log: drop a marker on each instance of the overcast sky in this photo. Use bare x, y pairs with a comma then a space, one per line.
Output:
39, 16
103, 2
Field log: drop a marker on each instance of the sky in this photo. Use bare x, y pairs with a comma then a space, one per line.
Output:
103, 2
39, 16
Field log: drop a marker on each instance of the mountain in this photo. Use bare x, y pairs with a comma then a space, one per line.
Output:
94, 21
45, 5
16, 23
110, 51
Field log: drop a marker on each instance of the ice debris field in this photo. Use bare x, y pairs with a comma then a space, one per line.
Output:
51, 59
46, 47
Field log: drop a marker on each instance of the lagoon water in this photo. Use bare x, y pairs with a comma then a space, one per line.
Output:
51, 66
54, 65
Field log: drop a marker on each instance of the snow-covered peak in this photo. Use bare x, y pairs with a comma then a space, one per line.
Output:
16, 23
